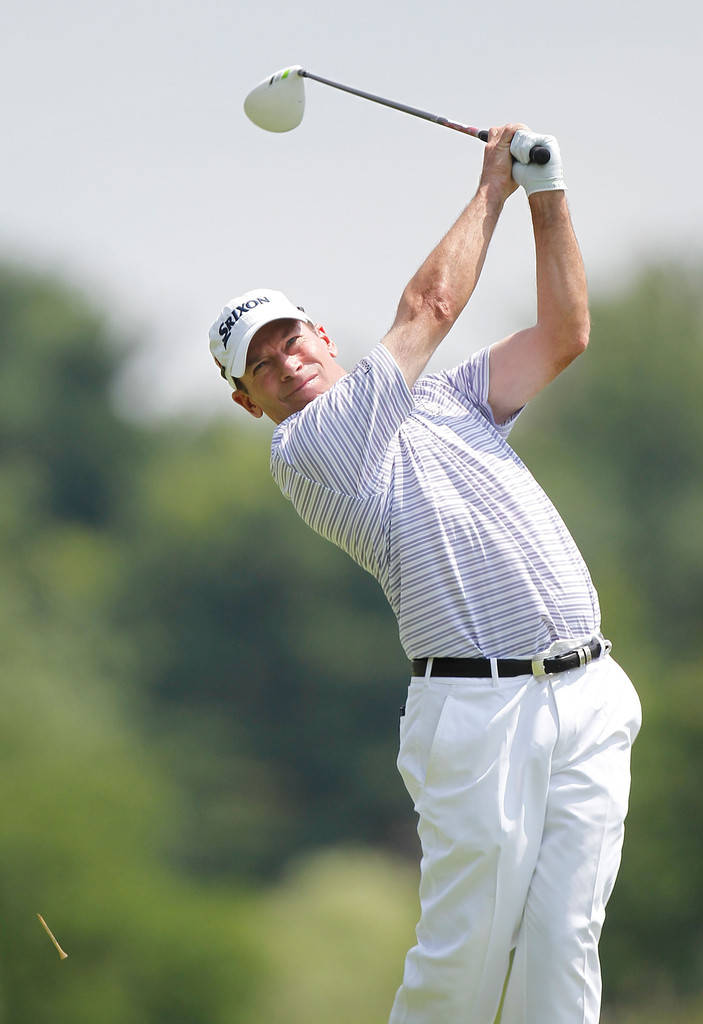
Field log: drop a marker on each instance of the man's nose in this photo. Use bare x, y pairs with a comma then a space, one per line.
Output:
290, 364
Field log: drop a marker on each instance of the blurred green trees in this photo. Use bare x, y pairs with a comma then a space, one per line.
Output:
88, 812
86, 817
200, 693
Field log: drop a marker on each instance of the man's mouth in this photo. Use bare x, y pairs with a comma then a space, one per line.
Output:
301, 386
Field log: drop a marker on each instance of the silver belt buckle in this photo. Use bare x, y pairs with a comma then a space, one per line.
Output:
538, 668
586, 655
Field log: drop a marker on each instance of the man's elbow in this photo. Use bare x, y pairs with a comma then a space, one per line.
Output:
574, 340
432, 305
582, 335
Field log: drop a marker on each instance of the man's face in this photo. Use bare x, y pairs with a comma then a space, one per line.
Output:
289, 363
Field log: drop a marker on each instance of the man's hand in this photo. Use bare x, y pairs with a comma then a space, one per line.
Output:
498, 161
536, 177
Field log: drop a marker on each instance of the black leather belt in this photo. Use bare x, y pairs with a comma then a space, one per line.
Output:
480, 668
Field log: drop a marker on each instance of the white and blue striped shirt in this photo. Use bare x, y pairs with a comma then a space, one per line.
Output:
422, 489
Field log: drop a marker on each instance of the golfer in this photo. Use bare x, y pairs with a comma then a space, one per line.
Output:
515, 740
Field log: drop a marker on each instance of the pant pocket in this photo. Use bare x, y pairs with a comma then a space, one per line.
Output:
423, 710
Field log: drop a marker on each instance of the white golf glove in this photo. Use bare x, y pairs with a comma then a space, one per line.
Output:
536, 177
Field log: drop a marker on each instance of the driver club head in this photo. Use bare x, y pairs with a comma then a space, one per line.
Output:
278, 103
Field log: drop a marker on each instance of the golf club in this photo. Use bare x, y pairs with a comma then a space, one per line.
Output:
278, 103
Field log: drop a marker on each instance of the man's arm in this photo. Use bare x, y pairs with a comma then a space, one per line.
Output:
438, 292
522, 364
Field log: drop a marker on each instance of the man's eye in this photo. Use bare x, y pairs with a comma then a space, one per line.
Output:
292, 341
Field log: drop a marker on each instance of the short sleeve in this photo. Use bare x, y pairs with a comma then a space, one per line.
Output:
472, 379
340, 439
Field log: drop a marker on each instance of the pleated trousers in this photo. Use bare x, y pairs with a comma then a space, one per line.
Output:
521, 789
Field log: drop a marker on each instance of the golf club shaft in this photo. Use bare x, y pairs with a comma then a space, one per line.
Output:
538, 154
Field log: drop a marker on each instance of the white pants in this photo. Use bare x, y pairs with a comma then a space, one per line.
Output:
521, 788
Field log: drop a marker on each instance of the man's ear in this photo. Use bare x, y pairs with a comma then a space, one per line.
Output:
241, 398
327, 340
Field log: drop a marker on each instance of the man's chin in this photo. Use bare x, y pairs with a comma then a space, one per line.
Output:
300, 401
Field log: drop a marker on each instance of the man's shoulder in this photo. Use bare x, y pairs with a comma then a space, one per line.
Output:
440, 391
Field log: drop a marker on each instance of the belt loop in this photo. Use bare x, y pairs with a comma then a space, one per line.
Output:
428, 668
494, 671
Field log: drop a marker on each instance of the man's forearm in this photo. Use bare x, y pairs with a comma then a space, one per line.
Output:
439, 291
443, 285
523, 363
562, 294
452, 269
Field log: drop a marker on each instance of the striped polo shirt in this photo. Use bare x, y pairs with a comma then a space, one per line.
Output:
422, 489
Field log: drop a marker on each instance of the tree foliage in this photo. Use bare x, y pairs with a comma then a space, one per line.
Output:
88, 812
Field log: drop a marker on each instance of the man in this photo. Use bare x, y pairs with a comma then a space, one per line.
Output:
515, 742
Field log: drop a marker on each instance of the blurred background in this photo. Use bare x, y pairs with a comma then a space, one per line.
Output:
201, 696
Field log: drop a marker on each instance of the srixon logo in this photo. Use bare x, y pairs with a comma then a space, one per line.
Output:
227, 325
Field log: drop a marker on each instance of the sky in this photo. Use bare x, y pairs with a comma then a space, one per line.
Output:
131, 170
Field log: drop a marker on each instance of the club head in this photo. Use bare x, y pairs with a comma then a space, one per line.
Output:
278, 103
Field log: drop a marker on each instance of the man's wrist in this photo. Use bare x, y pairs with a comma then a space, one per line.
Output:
546, 206
492, 195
